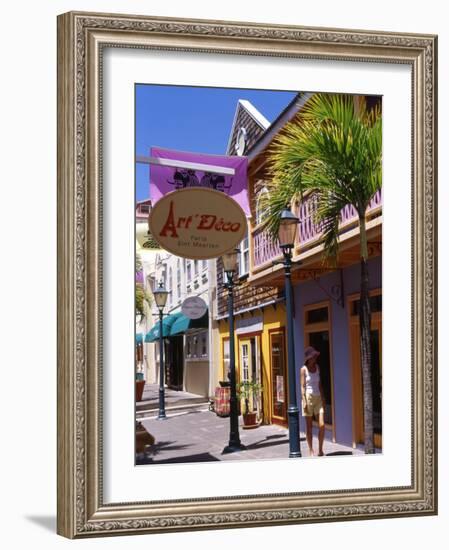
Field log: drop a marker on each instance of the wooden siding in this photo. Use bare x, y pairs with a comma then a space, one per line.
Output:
246, 296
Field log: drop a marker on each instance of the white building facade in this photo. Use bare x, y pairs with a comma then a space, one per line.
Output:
187, 343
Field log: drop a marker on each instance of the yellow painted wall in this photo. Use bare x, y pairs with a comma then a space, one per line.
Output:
272, 319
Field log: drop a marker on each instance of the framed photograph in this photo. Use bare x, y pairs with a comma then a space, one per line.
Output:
286, 377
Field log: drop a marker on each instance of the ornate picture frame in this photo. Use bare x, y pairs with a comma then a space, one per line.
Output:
82, 38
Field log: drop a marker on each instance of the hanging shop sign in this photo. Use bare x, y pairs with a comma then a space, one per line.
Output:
171, 170
197, 223
194, 307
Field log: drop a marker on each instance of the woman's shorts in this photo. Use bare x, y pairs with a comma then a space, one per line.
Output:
313, 406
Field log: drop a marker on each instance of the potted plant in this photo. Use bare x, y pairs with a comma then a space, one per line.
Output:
246, 391
140, 378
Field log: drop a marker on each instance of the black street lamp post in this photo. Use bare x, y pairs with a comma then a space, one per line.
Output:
287, 232
160, 297
230, 267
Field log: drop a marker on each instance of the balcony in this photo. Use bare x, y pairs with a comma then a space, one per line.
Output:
265, 250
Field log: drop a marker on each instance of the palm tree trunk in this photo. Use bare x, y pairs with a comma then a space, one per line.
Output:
365, 340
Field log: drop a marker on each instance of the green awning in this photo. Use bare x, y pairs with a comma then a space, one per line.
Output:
183, 323
167, 322
174, 324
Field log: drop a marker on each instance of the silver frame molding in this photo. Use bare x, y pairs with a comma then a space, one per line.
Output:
81, 38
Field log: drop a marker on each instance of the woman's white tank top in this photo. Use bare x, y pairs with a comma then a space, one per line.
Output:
313, 381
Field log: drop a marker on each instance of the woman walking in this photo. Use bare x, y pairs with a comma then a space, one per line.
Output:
312, 397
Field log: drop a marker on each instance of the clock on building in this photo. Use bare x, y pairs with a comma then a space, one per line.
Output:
240, 142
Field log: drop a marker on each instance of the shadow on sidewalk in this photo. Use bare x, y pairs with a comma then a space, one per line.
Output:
161, 446
201, 457
264, 443
339, 453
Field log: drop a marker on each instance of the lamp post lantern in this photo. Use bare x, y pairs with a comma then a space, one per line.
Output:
160, 297
287, 232
230, 268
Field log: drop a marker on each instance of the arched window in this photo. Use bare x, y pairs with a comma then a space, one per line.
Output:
261, 209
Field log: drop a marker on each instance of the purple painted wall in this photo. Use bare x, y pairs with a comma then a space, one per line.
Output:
310, 293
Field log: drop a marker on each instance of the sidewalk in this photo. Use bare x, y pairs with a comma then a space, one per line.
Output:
173, 400
198, 435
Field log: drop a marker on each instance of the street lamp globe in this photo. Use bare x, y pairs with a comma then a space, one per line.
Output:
230, 261
160, 296
287, 228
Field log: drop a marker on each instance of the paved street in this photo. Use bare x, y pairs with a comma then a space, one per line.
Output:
192, 433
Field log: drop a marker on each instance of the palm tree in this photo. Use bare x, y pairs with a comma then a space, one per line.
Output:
332, 149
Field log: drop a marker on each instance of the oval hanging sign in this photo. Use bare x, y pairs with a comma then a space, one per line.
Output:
194, 307
197, 223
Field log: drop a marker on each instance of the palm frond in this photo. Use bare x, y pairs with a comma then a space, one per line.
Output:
138, 263
143, 300
328, 213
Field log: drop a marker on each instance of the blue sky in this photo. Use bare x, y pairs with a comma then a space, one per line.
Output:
192, 119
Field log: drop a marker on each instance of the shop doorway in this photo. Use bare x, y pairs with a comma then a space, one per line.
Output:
317, 334
250, 368
278, 378
174, 363
376, 367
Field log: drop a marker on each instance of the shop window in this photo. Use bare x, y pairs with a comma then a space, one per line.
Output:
195, 347
319, 315
189, 346
204, 344
245, 363
279, 377
375, 303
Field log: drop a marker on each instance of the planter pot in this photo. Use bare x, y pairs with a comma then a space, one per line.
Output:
250, 420
140, 384
222, 406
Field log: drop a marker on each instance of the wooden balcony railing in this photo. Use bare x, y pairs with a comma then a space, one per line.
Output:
265, 249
